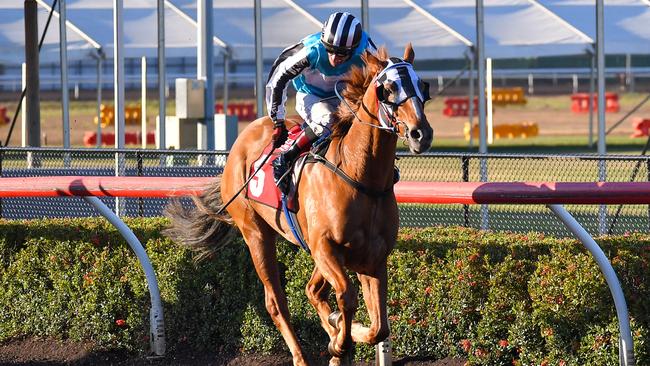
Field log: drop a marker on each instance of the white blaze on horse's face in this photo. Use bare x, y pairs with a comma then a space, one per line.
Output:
402, 95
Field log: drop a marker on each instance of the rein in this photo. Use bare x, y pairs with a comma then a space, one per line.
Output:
336, 170
391, 129
349, 180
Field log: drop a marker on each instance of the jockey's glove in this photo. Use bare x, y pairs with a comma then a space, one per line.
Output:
280, 133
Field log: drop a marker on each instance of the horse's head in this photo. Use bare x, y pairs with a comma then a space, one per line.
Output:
400, 96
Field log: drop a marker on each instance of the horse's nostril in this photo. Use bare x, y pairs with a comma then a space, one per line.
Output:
416, 134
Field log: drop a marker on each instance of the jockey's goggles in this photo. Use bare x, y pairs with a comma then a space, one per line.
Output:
407, 84
339, 51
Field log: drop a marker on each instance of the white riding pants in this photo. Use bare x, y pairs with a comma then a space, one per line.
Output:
316, 112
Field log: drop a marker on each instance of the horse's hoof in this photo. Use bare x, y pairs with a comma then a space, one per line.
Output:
333, 319
334, 361
332, 350
347, 360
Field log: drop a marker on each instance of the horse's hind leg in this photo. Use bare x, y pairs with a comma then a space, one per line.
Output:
260, 239
374, 290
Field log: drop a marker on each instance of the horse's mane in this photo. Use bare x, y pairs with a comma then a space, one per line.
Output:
356, 84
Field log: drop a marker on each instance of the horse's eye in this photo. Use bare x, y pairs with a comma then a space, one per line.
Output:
389, 88
387, 93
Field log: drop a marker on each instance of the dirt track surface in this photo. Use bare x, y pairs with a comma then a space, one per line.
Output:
41, 352
552, 113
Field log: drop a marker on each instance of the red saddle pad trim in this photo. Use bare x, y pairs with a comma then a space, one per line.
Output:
262, 187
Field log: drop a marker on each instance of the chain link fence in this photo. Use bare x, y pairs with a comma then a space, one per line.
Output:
104, 162
440, 167
519, 168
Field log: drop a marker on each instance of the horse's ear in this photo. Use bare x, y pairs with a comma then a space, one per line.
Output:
373, 63
409, 54
369, 58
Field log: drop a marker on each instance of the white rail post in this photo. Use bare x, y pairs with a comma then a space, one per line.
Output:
156, 318
626, 345
383, 353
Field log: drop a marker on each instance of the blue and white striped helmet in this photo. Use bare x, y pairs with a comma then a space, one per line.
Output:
341, 33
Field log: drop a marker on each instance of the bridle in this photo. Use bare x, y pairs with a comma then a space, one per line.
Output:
392, 128
388, 121
411, 88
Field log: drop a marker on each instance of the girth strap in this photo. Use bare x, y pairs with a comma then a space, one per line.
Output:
292, 220
356, 185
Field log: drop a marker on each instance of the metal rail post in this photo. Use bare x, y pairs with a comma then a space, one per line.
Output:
32, 82
259, 60
99, 101
465, 167
160, 12
383, 353
65, 98
118, 87
480, 42
156, 318
602, 146
626, 345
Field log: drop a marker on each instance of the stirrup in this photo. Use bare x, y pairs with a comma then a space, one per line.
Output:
279, 164
282, 181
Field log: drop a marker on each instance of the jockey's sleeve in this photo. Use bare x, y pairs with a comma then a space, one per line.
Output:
291, 62
371, 48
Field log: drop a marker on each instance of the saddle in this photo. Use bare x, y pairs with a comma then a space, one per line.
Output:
262, 187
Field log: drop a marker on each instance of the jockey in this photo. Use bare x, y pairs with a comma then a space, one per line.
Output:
314, 64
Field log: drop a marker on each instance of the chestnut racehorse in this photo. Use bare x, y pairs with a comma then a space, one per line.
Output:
347, 223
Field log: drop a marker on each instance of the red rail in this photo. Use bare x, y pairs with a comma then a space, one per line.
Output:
149, 187
406, 192
524, 192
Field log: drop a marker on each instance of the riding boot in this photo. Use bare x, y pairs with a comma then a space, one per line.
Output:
396, 174
282, 163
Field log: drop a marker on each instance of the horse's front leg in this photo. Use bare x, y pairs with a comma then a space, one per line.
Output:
374, 288
318, 290
329, 261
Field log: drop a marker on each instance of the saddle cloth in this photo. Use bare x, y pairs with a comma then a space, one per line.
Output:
262, 187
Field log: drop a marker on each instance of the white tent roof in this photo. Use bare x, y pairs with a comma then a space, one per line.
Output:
394, 23
437, 28
233, 22
95, 19
513, 28
399, 25
140, 22
12, 36
627, 22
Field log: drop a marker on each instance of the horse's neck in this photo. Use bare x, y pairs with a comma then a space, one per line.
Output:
368, 153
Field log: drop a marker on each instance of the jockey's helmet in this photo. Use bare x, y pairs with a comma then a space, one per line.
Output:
341, 33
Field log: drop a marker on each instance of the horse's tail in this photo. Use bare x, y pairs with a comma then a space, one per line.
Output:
204, 229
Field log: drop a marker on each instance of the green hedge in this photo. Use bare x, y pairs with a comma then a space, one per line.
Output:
493, 298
